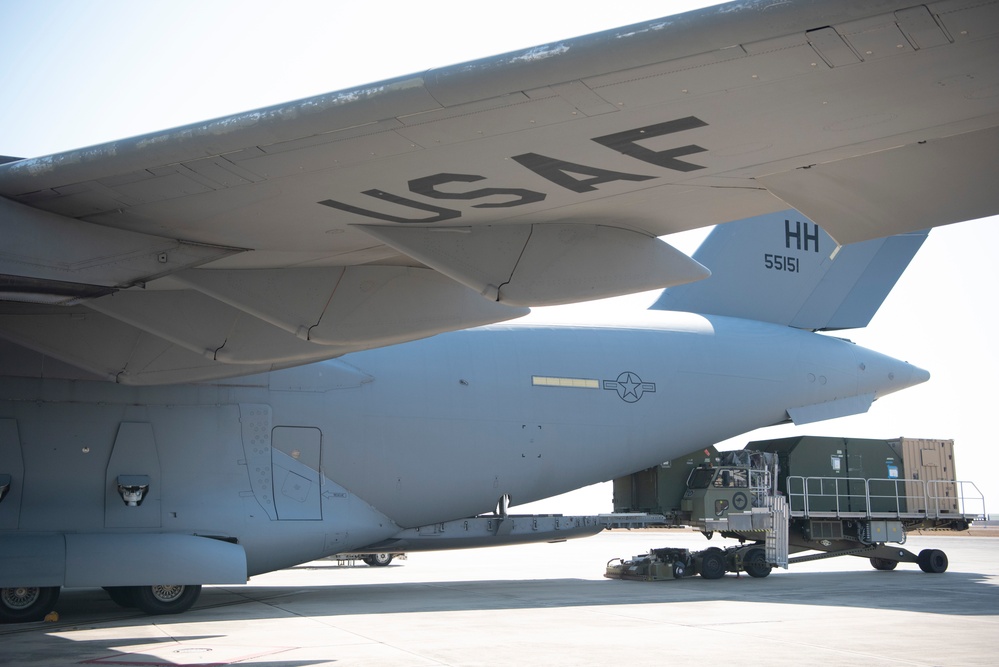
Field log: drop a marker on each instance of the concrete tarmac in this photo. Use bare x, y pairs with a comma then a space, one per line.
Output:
550, 605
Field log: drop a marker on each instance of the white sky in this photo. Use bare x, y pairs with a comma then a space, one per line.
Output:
74, 74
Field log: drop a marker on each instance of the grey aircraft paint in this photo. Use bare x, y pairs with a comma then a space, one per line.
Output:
334, 456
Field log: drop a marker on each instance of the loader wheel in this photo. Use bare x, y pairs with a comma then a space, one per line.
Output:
884, 564
679, 570
712, 565
20, 604
932, 561
755, 564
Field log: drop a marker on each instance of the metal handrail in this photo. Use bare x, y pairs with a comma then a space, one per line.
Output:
933, 496
968, 499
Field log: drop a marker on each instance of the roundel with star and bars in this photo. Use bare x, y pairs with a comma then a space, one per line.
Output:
629, 387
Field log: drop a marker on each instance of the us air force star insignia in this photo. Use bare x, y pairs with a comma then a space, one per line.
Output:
629, 386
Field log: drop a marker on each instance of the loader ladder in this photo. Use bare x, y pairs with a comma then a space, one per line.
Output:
776, 544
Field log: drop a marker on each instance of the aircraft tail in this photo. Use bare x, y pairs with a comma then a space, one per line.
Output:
783, 268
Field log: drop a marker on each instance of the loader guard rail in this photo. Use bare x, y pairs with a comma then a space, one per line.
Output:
860, 498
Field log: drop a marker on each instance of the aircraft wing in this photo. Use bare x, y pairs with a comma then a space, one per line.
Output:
460, 196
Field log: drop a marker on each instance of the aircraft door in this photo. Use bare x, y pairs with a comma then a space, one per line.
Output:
295, 459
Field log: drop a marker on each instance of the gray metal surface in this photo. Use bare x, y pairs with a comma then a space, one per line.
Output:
577, 155
336, 457
799, 275
383, 448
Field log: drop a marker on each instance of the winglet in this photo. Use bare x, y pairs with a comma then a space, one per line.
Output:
783, 268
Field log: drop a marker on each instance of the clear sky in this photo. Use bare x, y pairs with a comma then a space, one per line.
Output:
76, 73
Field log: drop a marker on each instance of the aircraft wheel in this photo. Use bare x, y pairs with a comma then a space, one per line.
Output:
712, 564
21, 604
755, 563
884, 564
165, 599
378, 560
123, 596
932, 561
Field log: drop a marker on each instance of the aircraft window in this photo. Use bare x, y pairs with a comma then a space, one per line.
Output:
700, 478
732, 478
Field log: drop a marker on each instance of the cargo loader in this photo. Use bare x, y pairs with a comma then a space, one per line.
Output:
816, 497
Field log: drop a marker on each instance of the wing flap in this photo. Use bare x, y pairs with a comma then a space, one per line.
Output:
204, 326
45, 249
233, 323
382, 305
914, 182
81, 337
117, 351
545, 264
356, 307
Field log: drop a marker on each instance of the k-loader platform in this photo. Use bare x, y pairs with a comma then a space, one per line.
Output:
769, 497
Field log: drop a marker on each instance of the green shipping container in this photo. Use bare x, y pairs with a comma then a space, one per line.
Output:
660, 489
839, 474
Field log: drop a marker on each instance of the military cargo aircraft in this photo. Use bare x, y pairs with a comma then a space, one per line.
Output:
245, 343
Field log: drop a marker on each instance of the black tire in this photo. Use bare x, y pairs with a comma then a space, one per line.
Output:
932, 561
712, 564
884, 564
679, 570
378, 560
755, 564
21, 604
165, 599
123, 596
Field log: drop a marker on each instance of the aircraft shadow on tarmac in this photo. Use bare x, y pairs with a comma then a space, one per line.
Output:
952, 593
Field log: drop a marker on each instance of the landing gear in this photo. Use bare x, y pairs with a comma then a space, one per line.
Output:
378, 560
155, 600
123, 596
165, 599
21, 604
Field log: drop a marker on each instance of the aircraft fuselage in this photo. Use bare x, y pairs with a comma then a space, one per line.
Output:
331, 457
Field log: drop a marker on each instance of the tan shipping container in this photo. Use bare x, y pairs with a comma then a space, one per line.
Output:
929, 464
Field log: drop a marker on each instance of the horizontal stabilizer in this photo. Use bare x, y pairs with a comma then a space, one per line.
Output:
843, 407
782, 268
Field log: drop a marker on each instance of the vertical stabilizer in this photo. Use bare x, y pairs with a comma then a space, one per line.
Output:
783, 268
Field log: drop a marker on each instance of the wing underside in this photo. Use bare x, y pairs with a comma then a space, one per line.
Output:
460, 196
